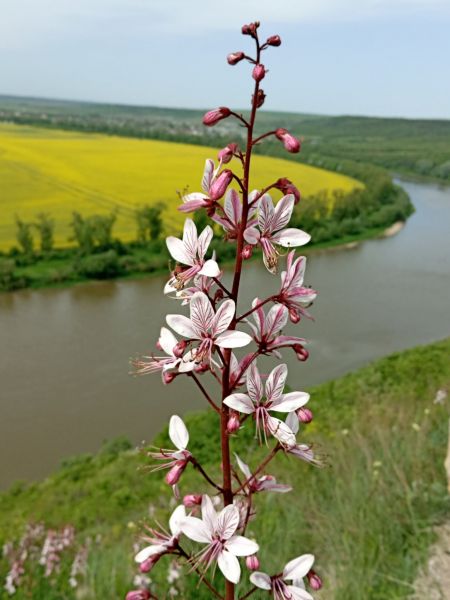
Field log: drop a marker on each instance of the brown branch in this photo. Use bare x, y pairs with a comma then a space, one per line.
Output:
265, 462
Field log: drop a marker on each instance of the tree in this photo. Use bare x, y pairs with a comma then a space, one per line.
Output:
24, 236
149, 222
46, 228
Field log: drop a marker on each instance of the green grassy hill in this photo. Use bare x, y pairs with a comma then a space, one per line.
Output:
367, 517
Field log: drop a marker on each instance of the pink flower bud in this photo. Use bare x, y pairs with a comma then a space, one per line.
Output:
259, 72
304, 415
287, 187
226, 154
294, 315
301, 352
234, 57
247, 251
218, 296
250, 29
273, 40
291, 143
252, 562
168, 377
233, 423
214, 116
219, 187
314, 580
191, 500
178, 349
260, 97
147, 565
173, 476
138, 595
202, 368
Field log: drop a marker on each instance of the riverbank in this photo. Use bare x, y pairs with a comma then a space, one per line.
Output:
384, 432
59, 272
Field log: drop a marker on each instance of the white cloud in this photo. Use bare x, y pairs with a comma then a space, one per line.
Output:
25, 23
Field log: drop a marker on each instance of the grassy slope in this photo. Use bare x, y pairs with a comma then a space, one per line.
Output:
366, 518
58, 172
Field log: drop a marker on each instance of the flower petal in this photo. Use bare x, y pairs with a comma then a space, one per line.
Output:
233, 339
276, 319
283, 212
202, 313
223, 317
183, 326
292, 422
254, 384
178, 432
281, 431
178, 515
233, 206
298, 567
290, 402
204, 239
243, 466
227, 521
210, 269
195, 529
190, 237
252, 235
167, 341
207, 175
298, 593
261, 580
179, 251
240, 402
209, 514
275, 382
291, 237
229, 565
265, 214
241, 546
149, 551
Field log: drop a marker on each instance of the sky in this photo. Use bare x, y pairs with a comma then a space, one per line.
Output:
366, 57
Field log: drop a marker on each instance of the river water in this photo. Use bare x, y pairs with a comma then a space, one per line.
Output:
64, 382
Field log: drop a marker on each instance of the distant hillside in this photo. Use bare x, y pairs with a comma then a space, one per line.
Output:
411, 146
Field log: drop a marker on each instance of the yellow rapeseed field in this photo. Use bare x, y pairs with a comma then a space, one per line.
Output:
58, 172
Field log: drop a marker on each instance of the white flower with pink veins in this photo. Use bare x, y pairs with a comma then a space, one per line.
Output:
261, 400
217, 530
294, 571
190, 251
272, 230
207, 327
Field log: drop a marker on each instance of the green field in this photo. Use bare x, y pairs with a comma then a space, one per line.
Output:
57, 172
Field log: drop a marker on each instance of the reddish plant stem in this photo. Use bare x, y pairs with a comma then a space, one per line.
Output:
264, 135
222, 287
249, 593
265, 462
199, 468
249, 312
225, 445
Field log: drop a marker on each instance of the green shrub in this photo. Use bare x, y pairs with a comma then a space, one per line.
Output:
105, 265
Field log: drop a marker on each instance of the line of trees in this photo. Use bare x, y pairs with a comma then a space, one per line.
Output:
91, 233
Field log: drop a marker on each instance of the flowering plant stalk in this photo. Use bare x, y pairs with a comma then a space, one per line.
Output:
217, 521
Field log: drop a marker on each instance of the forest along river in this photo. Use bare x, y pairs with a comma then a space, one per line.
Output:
64, 353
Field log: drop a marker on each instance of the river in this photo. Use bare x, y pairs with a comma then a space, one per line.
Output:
64, 368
